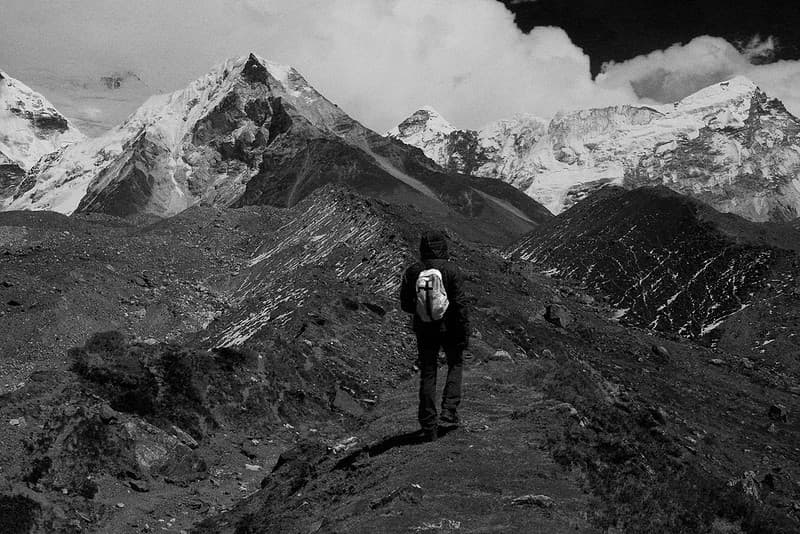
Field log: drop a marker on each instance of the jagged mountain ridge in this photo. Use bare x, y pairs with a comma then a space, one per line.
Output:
253, 132
728, 145
668, 262
30, 127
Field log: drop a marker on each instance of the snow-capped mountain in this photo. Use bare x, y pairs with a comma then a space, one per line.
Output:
207, 140
95, 101
30, 127
253, 132
728, 145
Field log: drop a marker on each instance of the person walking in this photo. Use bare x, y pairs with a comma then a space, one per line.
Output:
432, 290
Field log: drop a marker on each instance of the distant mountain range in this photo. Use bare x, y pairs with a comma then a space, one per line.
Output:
255, 132
250, 132
728, 145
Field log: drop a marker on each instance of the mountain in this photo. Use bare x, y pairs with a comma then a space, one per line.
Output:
666, 261
729, 145
30, 127
95, 99
254, 132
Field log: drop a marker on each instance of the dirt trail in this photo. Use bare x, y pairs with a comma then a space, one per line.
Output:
466, 481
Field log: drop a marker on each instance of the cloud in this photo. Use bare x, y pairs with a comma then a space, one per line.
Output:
680, 70
378, 59
758, 50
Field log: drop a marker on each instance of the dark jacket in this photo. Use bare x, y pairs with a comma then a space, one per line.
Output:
454, 327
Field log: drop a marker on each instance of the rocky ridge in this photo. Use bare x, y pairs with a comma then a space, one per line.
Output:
665, 261
729, 145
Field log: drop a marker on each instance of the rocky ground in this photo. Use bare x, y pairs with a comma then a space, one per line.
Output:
572, 421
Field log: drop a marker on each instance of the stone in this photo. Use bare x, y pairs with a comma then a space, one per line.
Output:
184, 437
344, 445
139, 485
344, 402
778, 413
558, 315
661, 352
17, 421
501, 355
716, 361
659, 415
107, 413
350, 303
542, 501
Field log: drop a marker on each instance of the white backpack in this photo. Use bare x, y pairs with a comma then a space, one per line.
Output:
432, 300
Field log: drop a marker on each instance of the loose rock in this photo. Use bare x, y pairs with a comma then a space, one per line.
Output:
661, 353
542, 501
779, 413
558, 315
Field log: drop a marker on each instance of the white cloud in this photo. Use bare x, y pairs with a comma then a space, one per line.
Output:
671, 74
378, 59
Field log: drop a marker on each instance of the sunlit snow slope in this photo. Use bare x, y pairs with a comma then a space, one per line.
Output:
30, 127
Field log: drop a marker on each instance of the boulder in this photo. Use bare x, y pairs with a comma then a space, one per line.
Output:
502, 355
344, 402
778, 413
558, 315
661, 353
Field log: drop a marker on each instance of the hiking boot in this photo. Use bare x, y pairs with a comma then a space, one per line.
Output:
430, 434
449, 419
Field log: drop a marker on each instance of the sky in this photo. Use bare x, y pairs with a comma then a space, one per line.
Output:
475, 61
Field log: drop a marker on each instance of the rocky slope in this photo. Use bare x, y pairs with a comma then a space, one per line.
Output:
729, 145
666, 261
30, 127
262, 379
253, 132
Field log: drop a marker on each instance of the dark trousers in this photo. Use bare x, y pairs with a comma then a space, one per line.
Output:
428, 366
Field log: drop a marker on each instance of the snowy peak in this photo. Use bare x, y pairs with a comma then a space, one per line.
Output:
428, 130
426, 121
199, 144
30, 126
729, 145
738, 89
255, 132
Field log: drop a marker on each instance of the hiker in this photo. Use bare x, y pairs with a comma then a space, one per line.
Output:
432, 290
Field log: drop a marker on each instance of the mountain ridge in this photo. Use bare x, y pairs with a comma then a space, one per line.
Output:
728, 145
253, 131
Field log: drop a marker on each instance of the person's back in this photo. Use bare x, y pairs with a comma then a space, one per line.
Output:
450, 332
